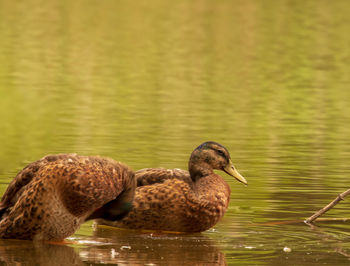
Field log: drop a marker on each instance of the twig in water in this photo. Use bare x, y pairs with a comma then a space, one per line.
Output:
317, 214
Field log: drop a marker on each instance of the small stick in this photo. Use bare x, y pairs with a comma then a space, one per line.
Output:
328, 207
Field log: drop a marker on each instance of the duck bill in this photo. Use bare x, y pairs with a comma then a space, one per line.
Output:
230, 169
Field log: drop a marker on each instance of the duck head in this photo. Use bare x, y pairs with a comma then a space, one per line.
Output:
209, 156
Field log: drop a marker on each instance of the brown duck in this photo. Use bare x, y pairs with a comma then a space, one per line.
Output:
50, 198
182, 201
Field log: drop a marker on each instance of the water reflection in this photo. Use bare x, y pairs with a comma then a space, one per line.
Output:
297, 244
17, 252
124, 246
290, 243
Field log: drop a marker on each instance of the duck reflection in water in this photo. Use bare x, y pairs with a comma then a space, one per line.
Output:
127, 247
15, 252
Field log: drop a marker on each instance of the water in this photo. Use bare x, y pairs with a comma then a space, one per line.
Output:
145, 82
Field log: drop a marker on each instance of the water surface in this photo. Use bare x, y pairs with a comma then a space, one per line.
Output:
145, 82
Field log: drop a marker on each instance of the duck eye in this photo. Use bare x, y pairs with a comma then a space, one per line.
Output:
220, 152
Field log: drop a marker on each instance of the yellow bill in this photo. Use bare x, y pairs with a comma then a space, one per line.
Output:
231, 170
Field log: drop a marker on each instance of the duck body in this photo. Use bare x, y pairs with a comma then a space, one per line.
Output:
50, 198
179, 200
178, 204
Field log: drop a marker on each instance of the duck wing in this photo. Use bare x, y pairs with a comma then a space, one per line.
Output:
18, 185
50, 198
149, 176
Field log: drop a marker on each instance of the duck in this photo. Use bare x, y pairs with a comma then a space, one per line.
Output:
176, 200
50, 198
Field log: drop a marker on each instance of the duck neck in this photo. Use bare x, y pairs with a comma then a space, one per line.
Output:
199, 170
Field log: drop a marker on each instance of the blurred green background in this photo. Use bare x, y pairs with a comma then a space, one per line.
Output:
145, 82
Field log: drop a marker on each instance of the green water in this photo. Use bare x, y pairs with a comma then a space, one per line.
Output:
145, 82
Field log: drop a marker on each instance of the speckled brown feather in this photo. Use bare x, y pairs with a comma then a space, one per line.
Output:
149, 176
175, 200
50, 198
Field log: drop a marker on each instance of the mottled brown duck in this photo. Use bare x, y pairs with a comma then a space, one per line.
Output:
179, 200
50, 198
